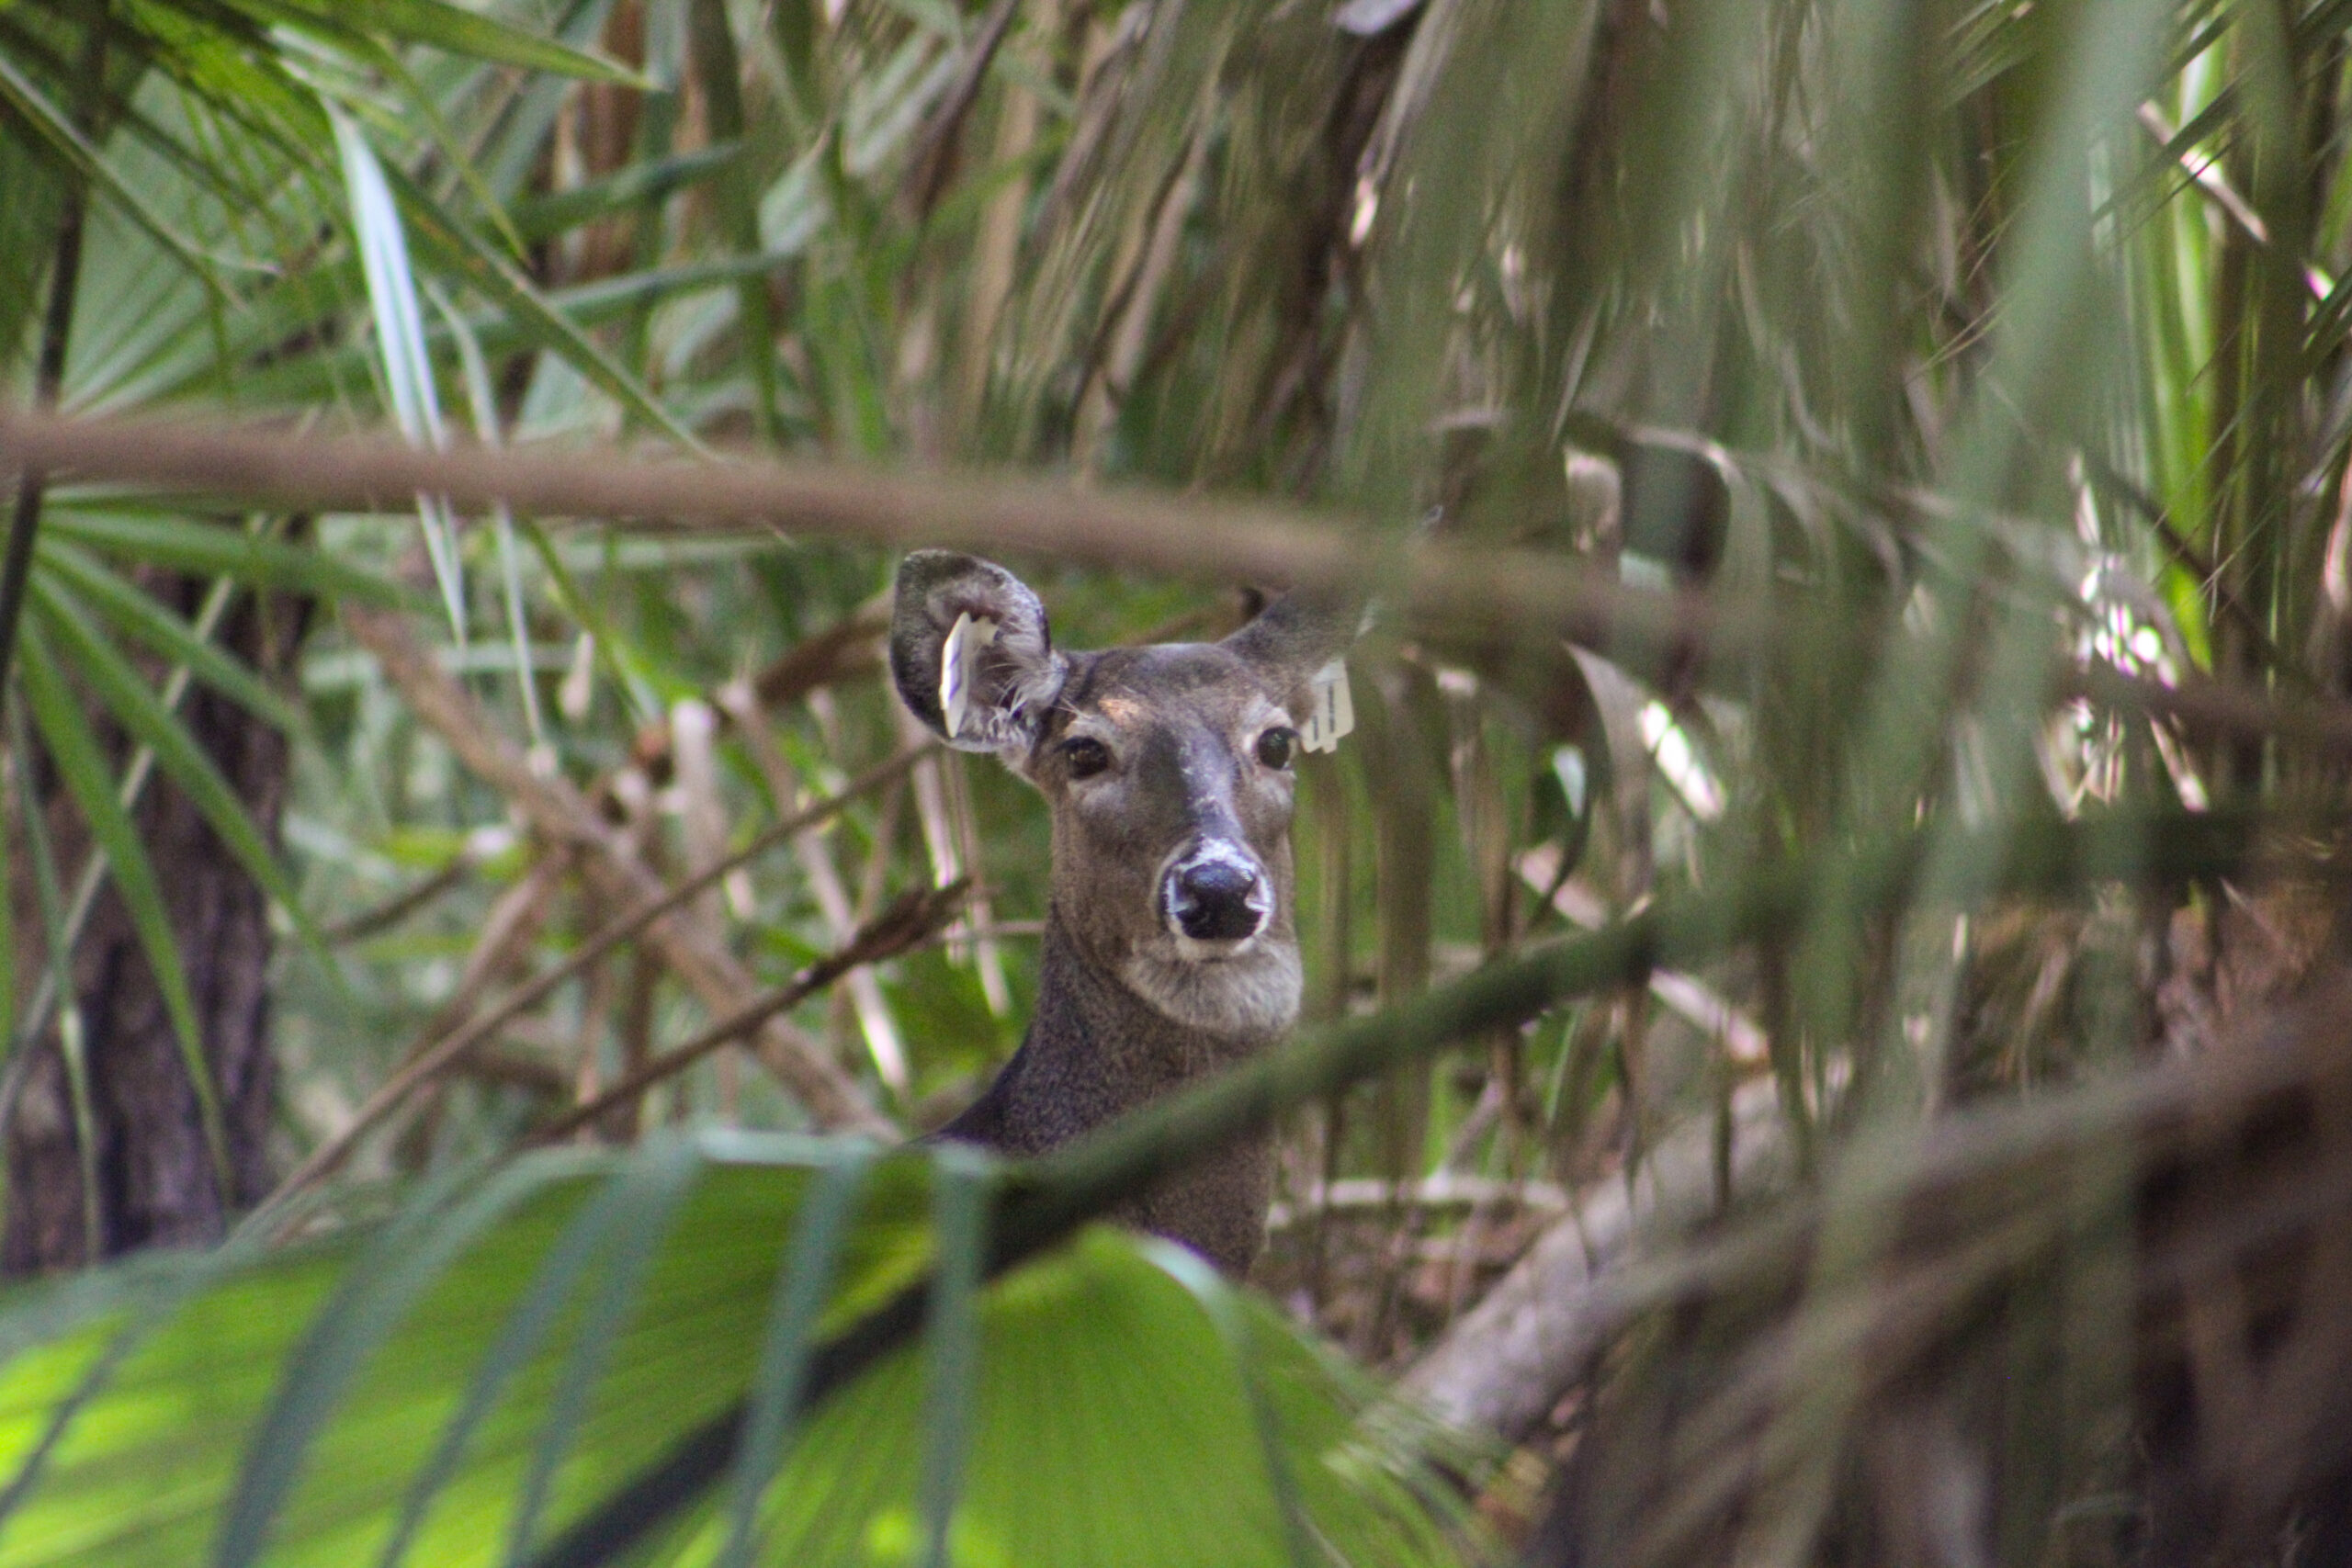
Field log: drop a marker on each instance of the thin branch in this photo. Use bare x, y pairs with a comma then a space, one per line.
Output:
1492, 591
848, 649
2207, 707
641, 916
560, 814
907, 923
383, 917
2215, 187
1499, 595
515, 918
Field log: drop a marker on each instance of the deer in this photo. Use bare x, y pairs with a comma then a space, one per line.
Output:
1171, 946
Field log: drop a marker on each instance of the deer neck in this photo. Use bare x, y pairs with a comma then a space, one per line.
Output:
1091, 1030
1095, 1051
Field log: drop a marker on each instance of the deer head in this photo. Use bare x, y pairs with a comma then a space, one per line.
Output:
1168, 770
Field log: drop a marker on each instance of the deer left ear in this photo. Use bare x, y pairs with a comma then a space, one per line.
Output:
1299, 634
972, 653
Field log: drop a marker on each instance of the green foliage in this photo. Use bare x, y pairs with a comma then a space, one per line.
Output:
450, 1385
1973, 373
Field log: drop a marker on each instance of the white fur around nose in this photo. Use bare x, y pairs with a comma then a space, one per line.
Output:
1242, 989
1259, 899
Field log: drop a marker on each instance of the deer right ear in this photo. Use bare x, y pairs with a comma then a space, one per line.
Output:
971, 652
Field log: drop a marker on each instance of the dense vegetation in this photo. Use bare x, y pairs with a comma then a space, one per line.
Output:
1826, 946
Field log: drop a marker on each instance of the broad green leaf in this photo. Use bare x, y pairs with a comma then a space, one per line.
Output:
647, 1194
83, 767
526, 1328
421, 1361
406, 1259
803, 1285
961, 1179
543, 216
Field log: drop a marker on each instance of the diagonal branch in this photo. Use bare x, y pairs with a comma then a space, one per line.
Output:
562, 816
908, 922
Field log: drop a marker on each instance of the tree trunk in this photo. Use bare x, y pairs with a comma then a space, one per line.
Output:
156, 1178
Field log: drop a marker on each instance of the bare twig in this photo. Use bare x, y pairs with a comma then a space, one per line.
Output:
645, 916
875, 1022
1446, 1189
906, 923
2203, 706
514, 921
562, 813
383, 917
1504, 1364
848, 649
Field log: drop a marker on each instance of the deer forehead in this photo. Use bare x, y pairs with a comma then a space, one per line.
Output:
1183, 684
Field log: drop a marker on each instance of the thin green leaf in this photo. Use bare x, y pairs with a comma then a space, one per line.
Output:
212, 549
543, 216
83, 767
648, 1202
56, 129
143, 617
803, 1286
444, 27
134, 703
452, 248
484, 402
964, 1180
400, 338
499, 333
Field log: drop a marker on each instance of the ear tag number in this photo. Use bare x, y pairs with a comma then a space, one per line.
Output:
1331, 711
959, 667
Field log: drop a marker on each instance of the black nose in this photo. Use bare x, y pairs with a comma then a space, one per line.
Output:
1211, 901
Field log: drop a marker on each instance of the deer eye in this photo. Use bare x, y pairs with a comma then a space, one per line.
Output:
1085, 758
1274, 745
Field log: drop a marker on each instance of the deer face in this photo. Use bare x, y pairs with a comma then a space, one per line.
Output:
1168, 772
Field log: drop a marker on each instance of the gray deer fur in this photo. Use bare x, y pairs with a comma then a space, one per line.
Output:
1170, 948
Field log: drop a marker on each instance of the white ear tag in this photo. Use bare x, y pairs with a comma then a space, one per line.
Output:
959, 667
1331, 711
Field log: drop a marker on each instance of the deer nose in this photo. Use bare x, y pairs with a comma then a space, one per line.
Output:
1219, 898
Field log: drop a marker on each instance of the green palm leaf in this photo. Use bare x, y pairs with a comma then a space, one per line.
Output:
134, 704
391, 1395
163, 632
81, 764
184, 543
